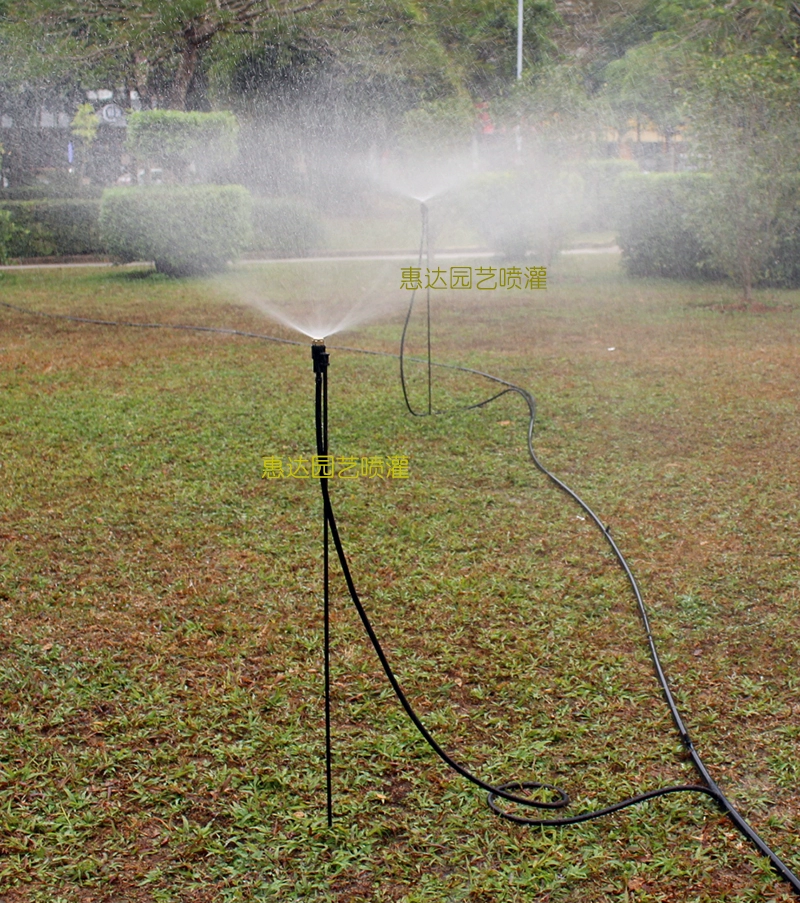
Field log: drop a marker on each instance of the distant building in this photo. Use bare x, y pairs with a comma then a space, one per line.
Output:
38, 145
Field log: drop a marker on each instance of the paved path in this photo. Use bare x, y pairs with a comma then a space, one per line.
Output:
336, 258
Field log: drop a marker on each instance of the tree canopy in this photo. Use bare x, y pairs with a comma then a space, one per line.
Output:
400, 60
178, 54
152, 47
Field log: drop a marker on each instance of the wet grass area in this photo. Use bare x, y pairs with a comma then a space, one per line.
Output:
161, 721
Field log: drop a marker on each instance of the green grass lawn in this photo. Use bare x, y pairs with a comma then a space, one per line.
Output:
161, 724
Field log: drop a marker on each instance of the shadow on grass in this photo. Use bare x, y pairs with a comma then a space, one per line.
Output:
131, 274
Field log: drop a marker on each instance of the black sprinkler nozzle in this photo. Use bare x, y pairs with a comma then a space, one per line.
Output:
319, 356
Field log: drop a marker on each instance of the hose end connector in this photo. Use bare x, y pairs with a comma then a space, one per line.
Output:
319, 356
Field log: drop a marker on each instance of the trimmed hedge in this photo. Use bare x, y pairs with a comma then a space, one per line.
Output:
68, 189
188, 231
517, 213
24, 193
285, 226
656, 228
659, 231
601, 192
54, 228
7, 232
783, 270
171, 133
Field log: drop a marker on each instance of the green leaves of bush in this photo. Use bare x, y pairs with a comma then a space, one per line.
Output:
673, 225
188, 231
174, 139
658, 230
50, 227
518, 213
7, 230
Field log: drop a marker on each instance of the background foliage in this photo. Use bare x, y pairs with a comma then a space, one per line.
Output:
315, 83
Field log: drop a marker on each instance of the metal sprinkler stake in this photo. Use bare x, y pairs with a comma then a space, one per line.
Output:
320, 358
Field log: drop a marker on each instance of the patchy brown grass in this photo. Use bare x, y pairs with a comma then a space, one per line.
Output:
160, 721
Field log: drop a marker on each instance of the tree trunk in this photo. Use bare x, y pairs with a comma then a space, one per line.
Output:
747, 280
183, 77
670, 138
195, 35
141, 72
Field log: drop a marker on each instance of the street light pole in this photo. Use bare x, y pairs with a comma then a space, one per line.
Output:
517, 131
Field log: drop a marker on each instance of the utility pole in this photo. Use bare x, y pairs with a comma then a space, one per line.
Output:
517, 130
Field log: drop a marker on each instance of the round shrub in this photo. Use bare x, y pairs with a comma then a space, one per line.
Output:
601, 190
517, 213
187, 231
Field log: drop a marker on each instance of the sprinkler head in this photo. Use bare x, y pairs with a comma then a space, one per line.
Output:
319, 356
